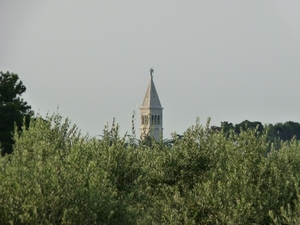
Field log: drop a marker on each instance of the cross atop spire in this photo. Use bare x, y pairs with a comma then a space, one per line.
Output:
151, 72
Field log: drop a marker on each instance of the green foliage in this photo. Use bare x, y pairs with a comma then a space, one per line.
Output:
58, 176
285, 131
280, 131
13, 109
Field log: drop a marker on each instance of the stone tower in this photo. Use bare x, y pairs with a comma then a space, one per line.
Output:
151, 112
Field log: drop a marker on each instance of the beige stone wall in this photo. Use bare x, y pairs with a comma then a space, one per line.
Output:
151, 120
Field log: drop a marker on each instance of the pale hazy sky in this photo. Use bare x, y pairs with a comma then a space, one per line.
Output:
228, 60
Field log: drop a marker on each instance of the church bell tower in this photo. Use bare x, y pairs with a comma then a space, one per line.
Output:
151, 112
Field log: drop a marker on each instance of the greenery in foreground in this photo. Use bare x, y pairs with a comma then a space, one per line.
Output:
57, 176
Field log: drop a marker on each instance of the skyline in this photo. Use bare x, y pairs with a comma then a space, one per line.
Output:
229, 61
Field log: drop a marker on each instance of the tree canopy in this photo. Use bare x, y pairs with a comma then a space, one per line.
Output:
279, 131
13, 109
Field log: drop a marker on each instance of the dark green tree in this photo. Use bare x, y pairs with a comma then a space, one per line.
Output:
289, 130
246, 124
226, 126
13, 109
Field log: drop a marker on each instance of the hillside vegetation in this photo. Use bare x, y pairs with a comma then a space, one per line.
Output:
58, 176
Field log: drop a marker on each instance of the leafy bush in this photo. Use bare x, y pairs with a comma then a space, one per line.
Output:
58, 176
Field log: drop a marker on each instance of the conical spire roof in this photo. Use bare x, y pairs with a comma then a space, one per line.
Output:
151, 99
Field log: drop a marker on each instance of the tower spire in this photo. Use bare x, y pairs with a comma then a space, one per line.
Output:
151, 112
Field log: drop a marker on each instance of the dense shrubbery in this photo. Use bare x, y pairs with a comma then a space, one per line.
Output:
58, 176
